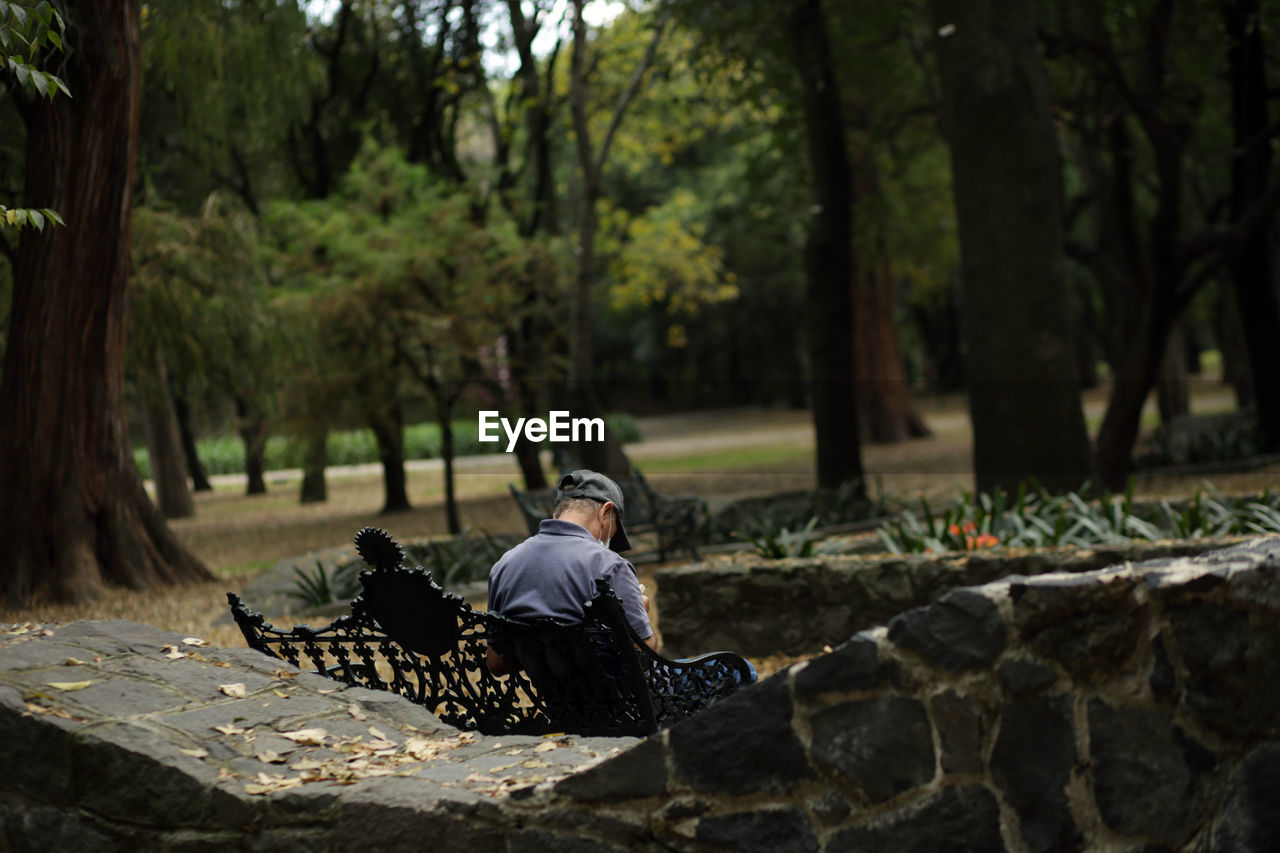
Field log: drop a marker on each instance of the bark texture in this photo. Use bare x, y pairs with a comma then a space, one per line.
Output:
1024, 394
828, 255
73, 513
164, 443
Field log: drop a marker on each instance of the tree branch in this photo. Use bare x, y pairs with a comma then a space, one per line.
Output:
633, 87
1229, 239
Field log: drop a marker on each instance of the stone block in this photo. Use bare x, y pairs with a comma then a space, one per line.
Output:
1090, 625
741, 745
884, 745
638, 773
1021, 675
953, 820
1031, 763
855, 665
963, 630
1229, 652
759, 831
1142, 782
40, 829
1249, 821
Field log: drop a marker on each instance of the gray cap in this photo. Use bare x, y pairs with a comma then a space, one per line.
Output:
597, 487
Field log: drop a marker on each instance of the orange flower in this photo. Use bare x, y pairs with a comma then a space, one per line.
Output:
954, 530
982, 540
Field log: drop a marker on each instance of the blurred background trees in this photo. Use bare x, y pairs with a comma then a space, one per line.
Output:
375, 213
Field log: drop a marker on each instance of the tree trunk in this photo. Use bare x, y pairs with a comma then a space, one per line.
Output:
886, 411
199, 479
1172, 397
1252, 272
1235, 362
252, 426
389, 432
73, 512
829, 312
164, 444
1129, 391
314, 489
1024, 394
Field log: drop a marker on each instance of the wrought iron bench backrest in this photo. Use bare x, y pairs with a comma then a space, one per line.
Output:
407, 635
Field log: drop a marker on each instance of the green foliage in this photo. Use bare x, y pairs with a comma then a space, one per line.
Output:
460, 559
774, 542
1036, 519
320, 586
25, 34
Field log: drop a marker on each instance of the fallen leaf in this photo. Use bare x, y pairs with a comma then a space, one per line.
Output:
377, 733
501, 767
281, 694
194, 641
173, 652
229, 729
69, 686
235, 691
307, 737
354, 710
546, 747
33, 708
533, 763
222, 663
519, 750
270, 756
75, 662
224, 773
195, 753
306, 764
284, 674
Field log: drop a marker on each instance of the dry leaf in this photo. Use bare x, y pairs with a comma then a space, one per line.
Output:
229, 729
533, 763
235, 691
75, 662
270, 756
284, 674
501, 767
281, 694
377, 733
519, 750
195, 753
222, 663
306, 764
173, 652
354, 710
194, 641
33, 708
307, 737
546, 747
224, 773
69, 686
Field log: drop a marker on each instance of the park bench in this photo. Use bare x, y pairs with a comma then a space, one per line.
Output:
405, 634
679, 521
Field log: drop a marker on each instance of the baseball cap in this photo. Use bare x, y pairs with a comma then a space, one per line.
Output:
597, 487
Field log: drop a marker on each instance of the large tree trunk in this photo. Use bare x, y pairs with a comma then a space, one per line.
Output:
1251, 269
73, 513
199, 478
829, 312
388, 429
164, 443
1024, 394
316, 459
886, 410
252, 426
1173, 399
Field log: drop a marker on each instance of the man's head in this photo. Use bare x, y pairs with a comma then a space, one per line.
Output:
595, 502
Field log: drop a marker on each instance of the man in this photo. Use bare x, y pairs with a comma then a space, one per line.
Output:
553, 573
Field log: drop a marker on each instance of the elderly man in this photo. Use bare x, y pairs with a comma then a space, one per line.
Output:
553, 573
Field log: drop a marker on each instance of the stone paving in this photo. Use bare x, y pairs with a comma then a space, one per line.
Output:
174, 733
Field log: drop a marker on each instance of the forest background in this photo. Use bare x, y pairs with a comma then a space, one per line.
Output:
314, 217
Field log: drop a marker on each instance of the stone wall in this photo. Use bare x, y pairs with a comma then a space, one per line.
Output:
756, 606
1129, 709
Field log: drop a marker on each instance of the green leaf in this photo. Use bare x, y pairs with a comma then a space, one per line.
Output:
53, 215
23, 74
44, 12
37, 219
42, 85
19, 14
55, 39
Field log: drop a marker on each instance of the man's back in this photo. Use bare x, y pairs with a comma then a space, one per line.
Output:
553, 573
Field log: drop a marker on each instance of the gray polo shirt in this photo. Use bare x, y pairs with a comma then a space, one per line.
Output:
553, 573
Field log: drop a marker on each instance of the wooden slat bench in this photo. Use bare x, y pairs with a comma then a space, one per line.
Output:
680, 521
407, 635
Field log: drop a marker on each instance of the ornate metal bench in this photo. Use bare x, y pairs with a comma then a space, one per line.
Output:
679, 520
407, 635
